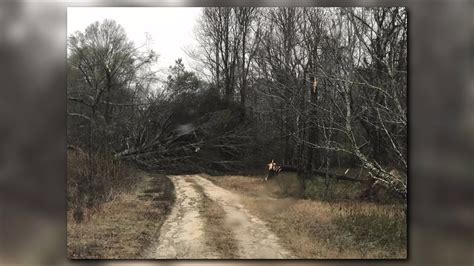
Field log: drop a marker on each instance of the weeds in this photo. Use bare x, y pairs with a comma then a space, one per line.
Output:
126, 226
327, 224
382, 228
93, 180
332, 190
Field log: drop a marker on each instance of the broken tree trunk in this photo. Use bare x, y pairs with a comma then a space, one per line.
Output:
275, 169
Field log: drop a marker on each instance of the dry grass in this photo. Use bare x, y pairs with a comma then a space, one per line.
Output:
218, 235
125, 226
248, 185
324, 228
94, 179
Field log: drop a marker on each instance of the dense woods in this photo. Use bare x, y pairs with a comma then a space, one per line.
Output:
315, 88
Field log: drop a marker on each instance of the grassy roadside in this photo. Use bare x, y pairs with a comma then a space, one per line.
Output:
218, 235
123, 227
326, 229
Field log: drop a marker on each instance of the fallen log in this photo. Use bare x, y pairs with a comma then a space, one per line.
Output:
274, 169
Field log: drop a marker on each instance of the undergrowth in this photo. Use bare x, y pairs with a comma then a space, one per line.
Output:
93, 179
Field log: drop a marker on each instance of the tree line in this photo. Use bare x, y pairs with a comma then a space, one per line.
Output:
316, 88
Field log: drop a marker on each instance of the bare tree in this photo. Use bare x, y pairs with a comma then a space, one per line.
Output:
107, 73
338, 77
219, 40
308, 87
245, 17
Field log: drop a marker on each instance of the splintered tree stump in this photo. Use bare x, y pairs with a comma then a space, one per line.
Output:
273, 170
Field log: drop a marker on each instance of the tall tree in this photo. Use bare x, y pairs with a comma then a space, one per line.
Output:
245, 17
107, 73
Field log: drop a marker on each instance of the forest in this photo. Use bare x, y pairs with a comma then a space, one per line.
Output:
318, 89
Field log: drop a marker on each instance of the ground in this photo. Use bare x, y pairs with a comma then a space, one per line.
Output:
186, 232
234, 217
332, 225
125, 226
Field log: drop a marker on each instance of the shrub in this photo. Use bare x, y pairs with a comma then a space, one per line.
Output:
92, 180
288, 184
332, 190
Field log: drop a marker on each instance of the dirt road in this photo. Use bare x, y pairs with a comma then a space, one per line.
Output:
185, 234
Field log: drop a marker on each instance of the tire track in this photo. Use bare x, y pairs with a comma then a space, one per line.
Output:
183, 235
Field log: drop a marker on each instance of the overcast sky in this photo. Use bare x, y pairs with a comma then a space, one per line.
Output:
170, 28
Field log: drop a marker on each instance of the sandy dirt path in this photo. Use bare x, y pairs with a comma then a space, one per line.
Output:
183, 233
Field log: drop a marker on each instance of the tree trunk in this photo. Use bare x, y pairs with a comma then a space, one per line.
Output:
217, 66
244, 78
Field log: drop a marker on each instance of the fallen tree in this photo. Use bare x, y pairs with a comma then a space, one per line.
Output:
274, 169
